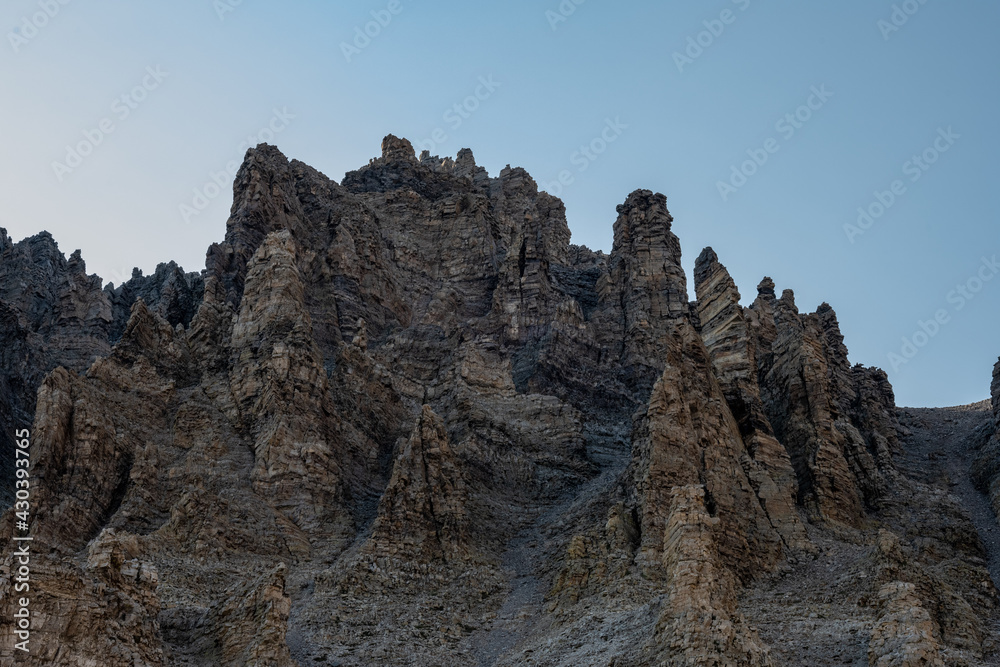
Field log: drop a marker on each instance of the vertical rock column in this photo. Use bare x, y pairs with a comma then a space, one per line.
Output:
727, 337
646, 286
703, 532
986, 467
795, 388
687, 436
280, 387
422, 515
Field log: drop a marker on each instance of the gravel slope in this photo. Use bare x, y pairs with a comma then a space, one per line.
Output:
939, 445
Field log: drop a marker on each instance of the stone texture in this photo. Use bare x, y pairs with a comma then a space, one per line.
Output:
699, 627
904, 635
838, 423
103, 613
77, 446
56, 298
23, 362
645, 286
280, 390
727, 336
250, 624
401, 419
703, 529
170, 292
53, 314
986, 467
798, 398
687, 437
422, 515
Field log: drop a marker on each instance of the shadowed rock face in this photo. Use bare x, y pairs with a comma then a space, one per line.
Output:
986, 468
171, 293
688, 438
703, 528
834, 421
402, 420
645, 287
54, 314
423, 513
280, 389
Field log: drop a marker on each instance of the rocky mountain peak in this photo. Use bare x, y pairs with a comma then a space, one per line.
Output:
787, 300
401, 419
995, 389
394, 148
643, 212
766, 288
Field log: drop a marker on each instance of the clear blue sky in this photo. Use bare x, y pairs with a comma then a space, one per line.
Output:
558, 86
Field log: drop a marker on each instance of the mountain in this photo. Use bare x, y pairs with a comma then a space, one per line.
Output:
402, 420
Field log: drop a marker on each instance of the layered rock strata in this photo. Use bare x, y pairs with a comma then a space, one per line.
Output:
986, 468
401, 419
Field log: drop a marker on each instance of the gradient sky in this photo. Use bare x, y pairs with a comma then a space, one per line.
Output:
231, 64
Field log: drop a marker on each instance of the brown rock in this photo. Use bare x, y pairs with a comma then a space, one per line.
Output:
905, 635
250, 625
727, 337
986, 467
699, 626
645, 287
689, 437
422, 515
280, 389
402, 420
800, 407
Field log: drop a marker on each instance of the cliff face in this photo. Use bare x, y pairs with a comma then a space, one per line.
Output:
986, 468
725, 329
402, 419
55, 314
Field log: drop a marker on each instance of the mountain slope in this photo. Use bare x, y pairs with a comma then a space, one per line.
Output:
402, 420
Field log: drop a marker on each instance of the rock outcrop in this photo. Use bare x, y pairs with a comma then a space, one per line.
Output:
728, 338
422, 515
251, 623
401, 419
689, 438
699, 626
56, 299
833, 420
170, 292
53, 314
104, 612
986, 468
280, 390
905, 634
645, 287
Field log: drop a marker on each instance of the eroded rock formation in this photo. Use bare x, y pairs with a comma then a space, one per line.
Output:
401, 419
986, 468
